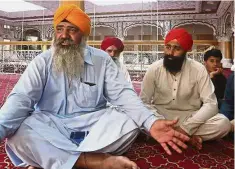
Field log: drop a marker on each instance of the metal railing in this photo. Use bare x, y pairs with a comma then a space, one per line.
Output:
15, 56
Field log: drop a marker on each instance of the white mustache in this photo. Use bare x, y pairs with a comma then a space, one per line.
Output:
61, 41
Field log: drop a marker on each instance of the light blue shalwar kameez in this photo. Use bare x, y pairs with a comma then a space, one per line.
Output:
42, 110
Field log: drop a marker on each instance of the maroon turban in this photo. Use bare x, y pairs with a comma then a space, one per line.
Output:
112, 41
182, 36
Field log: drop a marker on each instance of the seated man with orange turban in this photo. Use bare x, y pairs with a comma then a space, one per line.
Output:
179, 88
114, 46
56, 115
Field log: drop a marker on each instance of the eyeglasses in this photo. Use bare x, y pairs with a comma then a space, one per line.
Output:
173, 47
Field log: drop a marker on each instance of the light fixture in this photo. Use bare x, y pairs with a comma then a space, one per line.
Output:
208, 10
18, 6
118, 2
210, 2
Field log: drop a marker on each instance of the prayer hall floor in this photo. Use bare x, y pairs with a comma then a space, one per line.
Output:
145, 151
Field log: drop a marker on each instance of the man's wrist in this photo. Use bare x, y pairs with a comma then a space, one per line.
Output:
181, 130
149, 122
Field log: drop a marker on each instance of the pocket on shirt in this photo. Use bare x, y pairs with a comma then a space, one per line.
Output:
87, 95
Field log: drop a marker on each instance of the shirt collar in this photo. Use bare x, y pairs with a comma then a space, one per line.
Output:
87, 56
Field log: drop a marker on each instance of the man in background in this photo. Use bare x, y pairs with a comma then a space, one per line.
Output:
114, 46
179, 88
227, 106
56, 115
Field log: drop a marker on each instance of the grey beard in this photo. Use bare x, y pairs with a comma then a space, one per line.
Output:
69, 59
116, 60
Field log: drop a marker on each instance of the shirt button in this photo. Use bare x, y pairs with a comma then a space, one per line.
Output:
175, 80
174, 89
173, 99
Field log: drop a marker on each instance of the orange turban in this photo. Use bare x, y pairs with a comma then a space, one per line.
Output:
182, 36
74, 15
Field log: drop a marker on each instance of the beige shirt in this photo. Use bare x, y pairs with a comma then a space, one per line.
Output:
188, 96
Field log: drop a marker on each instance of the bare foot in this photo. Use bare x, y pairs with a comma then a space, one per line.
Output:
196, 141
232, 125
104, 161
118, 162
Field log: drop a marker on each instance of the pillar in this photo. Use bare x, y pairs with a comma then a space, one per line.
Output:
79, 3
226, 49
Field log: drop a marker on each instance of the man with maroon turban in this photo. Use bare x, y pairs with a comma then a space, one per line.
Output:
56, 115
179, 88
114, 46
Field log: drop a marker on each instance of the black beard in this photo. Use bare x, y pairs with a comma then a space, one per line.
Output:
173, 64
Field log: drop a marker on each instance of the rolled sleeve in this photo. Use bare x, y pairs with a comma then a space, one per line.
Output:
149, 122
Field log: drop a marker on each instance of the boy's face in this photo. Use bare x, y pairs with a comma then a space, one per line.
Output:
212, 64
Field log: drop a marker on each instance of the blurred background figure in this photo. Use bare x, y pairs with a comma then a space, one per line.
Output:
227, 106
114, 46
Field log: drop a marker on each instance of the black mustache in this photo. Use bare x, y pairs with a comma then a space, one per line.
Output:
170, 57
173, 63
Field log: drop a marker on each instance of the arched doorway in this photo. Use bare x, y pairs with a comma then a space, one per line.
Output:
31, 35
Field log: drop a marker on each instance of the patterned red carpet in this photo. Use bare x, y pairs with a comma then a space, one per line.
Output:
214, 155
146, 152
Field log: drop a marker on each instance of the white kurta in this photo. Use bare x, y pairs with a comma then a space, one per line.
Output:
45, 110
123, 69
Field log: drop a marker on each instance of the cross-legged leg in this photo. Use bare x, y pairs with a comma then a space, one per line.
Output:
215, 128
37, 152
